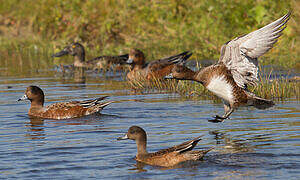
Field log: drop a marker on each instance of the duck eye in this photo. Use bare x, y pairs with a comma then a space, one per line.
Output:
133, 131
248, 74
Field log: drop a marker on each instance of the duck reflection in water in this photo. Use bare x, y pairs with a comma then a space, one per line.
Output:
76, 74
35, 128
189, 165
229, 144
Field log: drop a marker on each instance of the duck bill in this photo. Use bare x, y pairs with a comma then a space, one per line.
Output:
123, 138
23, 98
61, 53
170, 76
129, 61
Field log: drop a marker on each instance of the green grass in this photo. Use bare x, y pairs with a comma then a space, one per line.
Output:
30, 31
159, 28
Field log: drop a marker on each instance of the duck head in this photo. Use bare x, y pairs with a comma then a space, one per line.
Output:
135, 133
75, 49
34, 94
181, 72
136, 57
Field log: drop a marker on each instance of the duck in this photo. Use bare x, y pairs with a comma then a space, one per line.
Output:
237, 68
102, 62
165, 157
140, 70
61, 110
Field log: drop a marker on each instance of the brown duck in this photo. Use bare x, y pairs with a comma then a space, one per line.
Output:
62, 110
101, 62
140, 70
236, 69
166, 157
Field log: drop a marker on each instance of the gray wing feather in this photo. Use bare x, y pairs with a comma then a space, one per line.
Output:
240, 54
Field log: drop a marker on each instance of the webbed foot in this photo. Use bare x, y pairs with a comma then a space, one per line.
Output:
218, 119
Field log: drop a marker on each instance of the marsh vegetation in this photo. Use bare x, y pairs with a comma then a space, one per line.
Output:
159, 28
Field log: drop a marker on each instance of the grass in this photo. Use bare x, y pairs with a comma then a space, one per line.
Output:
276, 89
159, 28
32, 30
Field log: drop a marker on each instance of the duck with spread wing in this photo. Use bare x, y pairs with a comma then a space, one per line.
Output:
236, 69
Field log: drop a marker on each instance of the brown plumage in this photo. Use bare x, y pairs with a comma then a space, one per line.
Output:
63, 110
166, 157
101, 62
236, 68
157, 69
219, 80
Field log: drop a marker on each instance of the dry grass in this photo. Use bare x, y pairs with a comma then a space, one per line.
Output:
276, 89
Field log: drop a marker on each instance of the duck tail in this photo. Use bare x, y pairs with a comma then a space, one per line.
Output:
258, 102
180, 58
92, 102
186, 56
261, 103
96, 108
103, 105
101, 98
197, 155
124, 56
100, 105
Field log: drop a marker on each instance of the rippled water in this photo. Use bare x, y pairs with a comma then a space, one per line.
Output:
252, 144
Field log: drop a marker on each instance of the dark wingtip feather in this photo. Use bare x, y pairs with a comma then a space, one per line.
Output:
188, 56
189, 145
197, 139
125, 56
105, 104
102, 98
179, 58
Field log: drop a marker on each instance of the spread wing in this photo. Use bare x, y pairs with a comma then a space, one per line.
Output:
240, 54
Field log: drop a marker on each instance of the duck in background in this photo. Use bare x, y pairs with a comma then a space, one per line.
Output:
102, 62
61, 110
236, 69
140, 70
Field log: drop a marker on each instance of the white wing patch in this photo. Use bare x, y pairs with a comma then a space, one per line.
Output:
220, 87
240, 54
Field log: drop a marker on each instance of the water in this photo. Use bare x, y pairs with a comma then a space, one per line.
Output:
252, 144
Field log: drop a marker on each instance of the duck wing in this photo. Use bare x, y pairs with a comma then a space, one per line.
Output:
83, 104
164, 62
240, 54
73, 109
112, 59
181, 148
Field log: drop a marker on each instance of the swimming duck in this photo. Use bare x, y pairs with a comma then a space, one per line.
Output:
166, 157
140, 70
62, 110
101, 62
236, 69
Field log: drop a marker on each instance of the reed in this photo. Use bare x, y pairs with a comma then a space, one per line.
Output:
276, 89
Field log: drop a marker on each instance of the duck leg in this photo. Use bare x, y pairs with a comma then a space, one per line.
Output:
227, 112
